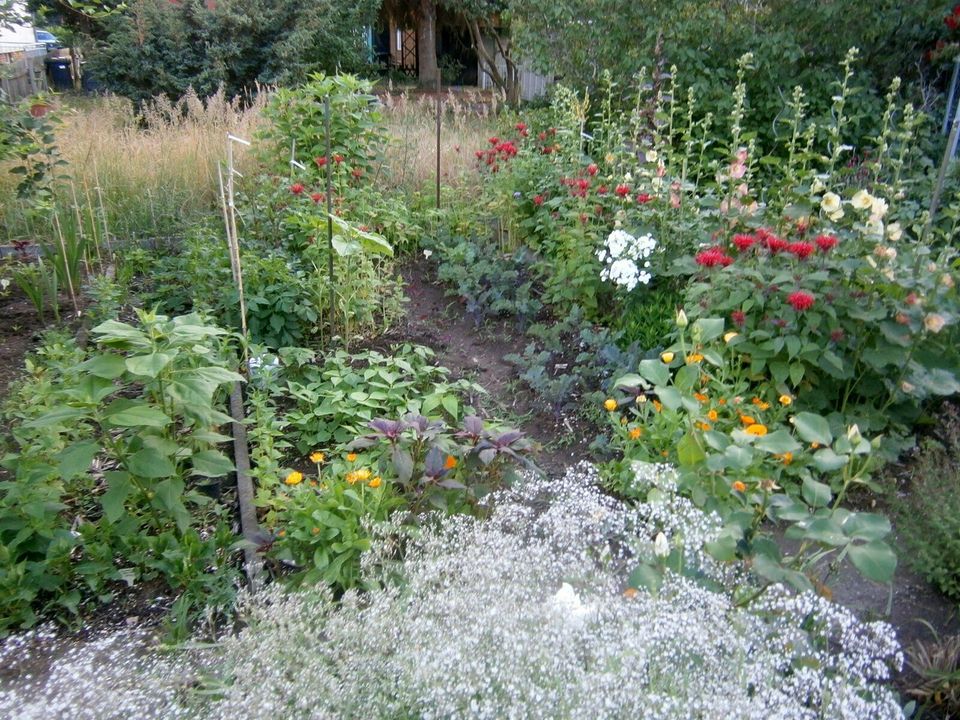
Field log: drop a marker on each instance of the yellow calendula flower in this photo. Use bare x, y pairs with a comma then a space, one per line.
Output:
667, 357
294, 478
351, 457
786, 458
317, 457
376, 482
363, 474
756, 430
730, 336
635, 433
694, 358
712, 416
610, 404
739, 485
786, 400
763, 405
351, 477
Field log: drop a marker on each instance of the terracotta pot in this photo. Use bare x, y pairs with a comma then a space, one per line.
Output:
40, 109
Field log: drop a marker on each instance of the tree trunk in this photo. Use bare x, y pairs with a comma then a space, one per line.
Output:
509, 82
428, 72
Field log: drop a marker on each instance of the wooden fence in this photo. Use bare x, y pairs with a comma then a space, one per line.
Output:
22, 73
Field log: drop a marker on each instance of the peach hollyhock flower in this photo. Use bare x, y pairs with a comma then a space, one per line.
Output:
861, 200
376, 482
635, 433
739, 485
934, 322
757, 430
610, 404
317, 457
293, 478
830, 202
450, 463
666, 357
894, 231
351, 457
712, 416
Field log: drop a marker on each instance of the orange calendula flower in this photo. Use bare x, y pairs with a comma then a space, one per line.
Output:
814, 445
376, 482
757, 430
450, 463
664, 453
701, 398
785, 400
363, 474
351, 457
658, 406
294, 478
760, 403
610, 404
635, 433
712, 416
722, 401
703, 426
317, 457
315, 531
282, 533
694, 358
739, 486
786, 457
351, 477
747, 420
630, 593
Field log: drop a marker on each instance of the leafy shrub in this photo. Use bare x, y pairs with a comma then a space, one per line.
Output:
928, 511
104, 484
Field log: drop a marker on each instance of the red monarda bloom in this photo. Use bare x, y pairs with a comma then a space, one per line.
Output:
494, 140
602, 190
538, 200
743, 242
712, 257
826, 242
318, 197
739, 317
802, 250
592, 169
296, 188
622, 190
320, 161
770, 241
356, 172
800, 300
338, 159
644, 198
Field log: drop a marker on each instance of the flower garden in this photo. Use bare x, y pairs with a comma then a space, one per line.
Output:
241, 477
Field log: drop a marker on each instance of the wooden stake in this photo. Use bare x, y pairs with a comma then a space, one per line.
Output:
438, 141
333, 305
66, 264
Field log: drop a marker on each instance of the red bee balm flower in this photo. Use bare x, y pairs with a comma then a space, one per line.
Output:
296, 188
826, 242
801, 249
743, 242
739, 317
538, 200
712, 257
318, 197
800, 300
320, 161
338, 159
592, 169
643, 198
622, 190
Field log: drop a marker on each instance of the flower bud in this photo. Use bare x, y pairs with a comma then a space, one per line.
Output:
682, 321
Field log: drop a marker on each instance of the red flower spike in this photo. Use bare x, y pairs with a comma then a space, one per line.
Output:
739, 317
712, 257
622, 190
643, 198
826, 242
538, 200
800, 300
318, 197
802, 250
297, 188
743, 242
320, 161
592, 169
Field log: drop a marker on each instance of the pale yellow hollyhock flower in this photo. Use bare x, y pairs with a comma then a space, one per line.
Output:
894, 231
878, 208
875, 226
651, 156
947, 281
830, 202
817, 186
836, 216
730, 336
861, 200
934, 322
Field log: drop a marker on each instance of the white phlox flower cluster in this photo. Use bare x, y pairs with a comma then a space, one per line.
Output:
523, 614
625, 259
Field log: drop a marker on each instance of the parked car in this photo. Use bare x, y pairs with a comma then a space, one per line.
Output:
49, 40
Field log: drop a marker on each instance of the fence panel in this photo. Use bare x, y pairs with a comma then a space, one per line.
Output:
22, 73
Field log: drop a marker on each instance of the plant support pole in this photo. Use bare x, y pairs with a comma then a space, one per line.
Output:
942, 177
329, 166
438, 141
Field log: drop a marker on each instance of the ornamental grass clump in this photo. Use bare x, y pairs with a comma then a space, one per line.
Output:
528, 614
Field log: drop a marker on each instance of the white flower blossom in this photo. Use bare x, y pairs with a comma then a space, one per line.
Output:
625, 257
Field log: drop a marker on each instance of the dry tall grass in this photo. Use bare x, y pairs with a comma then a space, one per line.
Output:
468, 119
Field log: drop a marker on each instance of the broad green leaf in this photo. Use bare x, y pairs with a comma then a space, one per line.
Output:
655, 371
118, 488
210, 463
738, 457
631, 380
708, 328
113, 332
169, 497
135, 413
646, 577
826, 530
816, 493
671, 399
826, 460
812, 428
875, 560
105, 366
687, 378
689, 451
150, 463
76, 459
149, 365
778, 442
402, 463
451, 405
723, 549
59, 416
866, 526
